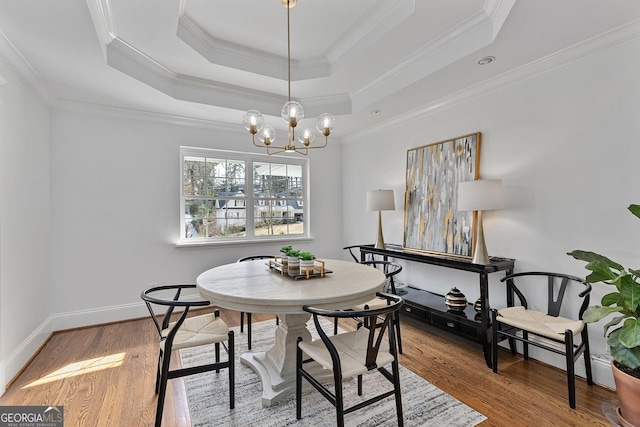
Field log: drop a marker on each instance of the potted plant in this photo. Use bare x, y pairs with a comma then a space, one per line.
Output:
285, 249
307, 259
623, 331
294, 261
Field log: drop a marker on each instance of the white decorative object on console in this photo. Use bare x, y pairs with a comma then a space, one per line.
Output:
480, 195
380, 200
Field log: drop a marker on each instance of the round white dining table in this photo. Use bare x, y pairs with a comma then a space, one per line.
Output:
254, 287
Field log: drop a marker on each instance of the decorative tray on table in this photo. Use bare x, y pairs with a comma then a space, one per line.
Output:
299, 272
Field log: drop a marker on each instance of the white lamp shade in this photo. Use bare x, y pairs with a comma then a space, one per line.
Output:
380, 200
480, 195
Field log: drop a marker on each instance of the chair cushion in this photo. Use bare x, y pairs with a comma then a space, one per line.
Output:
198, 330
539, 323
372, 304
352, 349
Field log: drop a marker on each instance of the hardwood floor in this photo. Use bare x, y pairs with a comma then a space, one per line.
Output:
105, 376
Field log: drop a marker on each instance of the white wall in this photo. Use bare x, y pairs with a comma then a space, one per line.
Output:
565, 143
25, 223
115, 210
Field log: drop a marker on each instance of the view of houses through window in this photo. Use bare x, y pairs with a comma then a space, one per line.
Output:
230, 196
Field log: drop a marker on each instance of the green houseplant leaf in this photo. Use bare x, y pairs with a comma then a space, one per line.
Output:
630, 333
596, 313
306, 256
635, 209
626, 356
624, 330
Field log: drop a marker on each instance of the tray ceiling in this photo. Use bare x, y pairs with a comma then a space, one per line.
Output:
213, 60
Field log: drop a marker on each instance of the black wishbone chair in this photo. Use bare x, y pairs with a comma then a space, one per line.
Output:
243, 259
352, 354
390, 269
186, 332
543, 329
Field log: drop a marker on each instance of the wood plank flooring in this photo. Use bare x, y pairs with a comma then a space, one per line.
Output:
117, 387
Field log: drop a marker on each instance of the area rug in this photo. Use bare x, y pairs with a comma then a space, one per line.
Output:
208, 400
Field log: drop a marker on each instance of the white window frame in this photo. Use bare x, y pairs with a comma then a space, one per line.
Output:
249, 159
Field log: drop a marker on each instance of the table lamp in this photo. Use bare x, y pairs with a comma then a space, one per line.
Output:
480, 195
380, 200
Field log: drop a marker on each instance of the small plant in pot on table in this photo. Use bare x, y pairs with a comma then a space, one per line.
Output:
294, 261
307, 259
623, 331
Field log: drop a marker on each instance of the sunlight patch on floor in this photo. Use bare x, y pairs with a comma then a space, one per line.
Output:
80, 368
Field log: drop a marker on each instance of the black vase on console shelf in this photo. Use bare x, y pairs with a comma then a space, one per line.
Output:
478, 305
455, 300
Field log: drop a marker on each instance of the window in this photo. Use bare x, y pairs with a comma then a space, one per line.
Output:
228, 196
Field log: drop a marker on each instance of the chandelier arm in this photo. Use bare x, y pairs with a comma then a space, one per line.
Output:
253, 139
280, 150
326, 138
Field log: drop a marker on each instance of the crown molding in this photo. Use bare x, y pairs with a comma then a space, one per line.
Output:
594, 46
373, 26
497, 11
233, 55
472, 34
126, 58
228, 54
102, 19
15, 63
143, 115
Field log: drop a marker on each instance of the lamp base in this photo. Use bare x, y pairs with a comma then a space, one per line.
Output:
480, 255
380, 241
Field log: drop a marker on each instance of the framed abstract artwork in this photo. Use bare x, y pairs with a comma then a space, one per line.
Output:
432, 222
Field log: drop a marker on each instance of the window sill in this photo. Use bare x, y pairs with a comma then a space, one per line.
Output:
205, 244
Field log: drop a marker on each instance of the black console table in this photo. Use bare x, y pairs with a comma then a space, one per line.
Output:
430, 307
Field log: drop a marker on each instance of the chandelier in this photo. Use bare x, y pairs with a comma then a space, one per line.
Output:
292, 113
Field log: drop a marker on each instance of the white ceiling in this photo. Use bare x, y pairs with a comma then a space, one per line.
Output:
213, 59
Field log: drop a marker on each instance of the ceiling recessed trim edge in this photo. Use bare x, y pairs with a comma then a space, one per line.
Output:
236, 56
127, 59
476, 32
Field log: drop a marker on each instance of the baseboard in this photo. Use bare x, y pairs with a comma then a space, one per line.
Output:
600, 368
602, 373
96, 316
22, 355
2, 383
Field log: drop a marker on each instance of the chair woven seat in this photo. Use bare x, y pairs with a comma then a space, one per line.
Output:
371, 304
352, 354
352, 349
539, 323
184, 333
198, 330
543, 330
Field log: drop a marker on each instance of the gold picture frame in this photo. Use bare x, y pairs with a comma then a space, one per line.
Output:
431, 221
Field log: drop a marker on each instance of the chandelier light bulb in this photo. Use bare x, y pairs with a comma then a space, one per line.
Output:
267, 135
306, 136
325, 123
292, 113
253, 121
